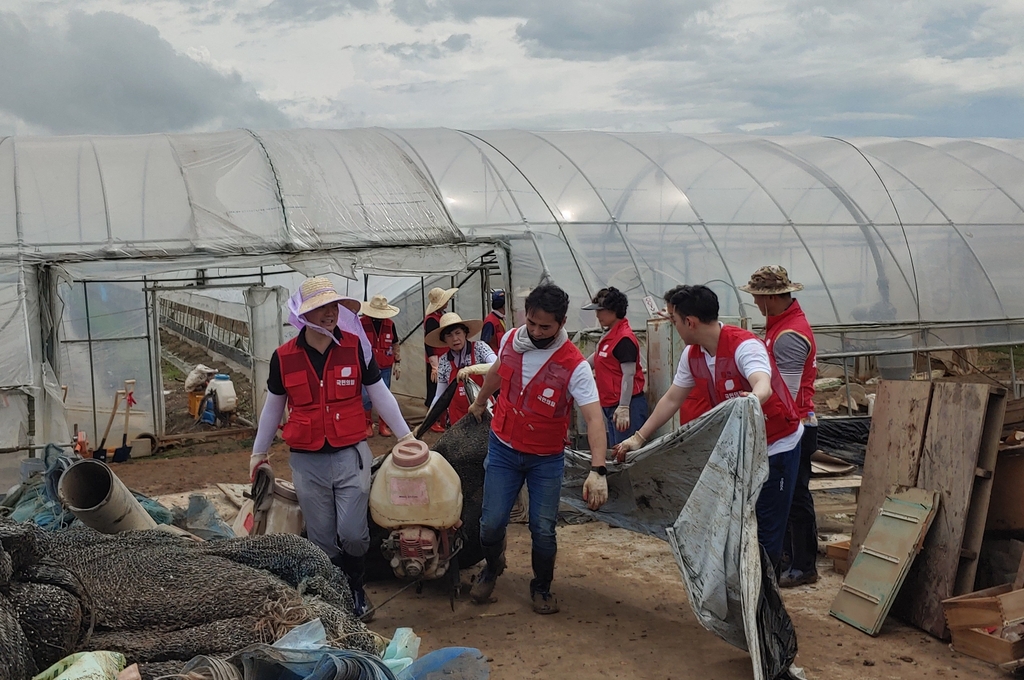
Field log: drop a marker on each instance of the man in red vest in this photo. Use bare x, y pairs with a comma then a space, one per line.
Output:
318, 376
617, 370
791, 343
494, 323
540, 373
380, 331
437, 303
725, 362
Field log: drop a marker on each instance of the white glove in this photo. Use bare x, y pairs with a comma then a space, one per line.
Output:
256, 460
396, 370
635, 442
621, 418
595, 490
407, 438
475, 369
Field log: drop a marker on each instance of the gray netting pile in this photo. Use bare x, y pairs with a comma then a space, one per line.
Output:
156, 597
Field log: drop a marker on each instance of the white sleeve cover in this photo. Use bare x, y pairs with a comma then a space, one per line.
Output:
442, 385
270, 420
387, 407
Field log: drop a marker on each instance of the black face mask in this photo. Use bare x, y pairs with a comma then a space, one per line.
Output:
541, 343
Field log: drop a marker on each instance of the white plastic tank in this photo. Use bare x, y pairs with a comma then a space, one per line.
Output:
224, 391
416, 486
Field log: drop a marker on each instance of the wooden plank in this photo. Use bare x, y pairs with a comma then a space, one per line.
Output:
893, 453
851, 482
990, 648
875, 576
988, 453
1006, 505
993, 607
953, 439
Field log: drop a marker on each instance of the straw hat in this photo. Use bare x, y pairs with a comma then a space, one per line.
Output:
772, 279
378, 308
318, 291
438, 298
433, 338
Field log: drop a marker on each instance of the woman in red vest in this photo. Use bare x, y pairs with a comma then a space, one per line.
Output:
318, 375
437, 303
540, 373
617, 369
463, 359
725, 362
380, 331
791, 343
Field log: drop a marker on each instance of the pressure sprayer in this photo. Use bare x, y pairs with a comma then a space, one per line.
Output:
418, 496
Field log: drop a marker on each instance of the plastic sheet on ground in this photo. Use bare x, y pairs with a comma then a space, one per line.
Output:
698, 487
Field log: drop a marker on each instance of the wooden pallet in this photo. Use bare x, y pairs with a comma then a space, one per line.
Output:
958, 460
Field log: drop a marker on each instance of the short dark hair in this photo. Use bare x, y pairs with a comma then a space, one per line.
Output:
672, 291
448, 329
549, 298
614, 300
698, 301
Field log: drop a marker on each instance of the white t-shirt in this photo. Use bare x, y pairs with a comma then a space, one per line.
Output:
751, 357
582, 386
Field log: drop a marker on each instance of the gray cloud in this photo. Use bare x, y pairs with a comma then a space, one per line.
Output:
108, 73
308, 10
422, 50
573, 29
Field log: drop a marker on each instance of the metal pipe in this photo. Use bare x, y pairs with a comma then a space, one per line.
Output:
95, 495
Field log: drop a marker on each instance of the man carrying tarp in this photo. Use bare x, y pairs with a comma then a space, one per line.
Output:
724, 362
791, 343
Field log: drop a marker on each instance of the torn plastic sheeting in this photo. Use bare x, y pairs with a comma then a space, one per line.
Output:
698, 486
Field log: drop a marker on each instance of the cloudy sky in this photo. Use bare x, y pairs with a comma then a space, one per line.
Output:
847, 67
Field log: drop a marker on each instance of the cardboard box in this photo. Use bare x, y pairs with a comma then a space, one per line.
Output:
977, 642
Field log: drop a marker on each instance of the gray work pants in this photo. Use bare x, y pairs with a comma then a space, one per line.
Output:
334, 492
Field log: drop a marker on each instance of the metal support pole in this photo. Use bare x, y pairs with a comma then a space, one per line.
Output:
849, 397
92, 372
1013, 375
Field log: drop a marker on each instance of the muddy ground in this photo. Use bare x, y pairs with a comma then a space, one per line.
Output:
624, 609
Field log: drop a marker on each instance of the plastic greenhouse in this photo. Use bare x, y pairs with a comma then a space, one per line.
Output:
902, 244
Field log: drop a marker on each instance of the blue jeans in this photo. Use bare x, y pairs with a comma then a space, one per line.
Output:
385, 375
774, 502
637, 417
505, 470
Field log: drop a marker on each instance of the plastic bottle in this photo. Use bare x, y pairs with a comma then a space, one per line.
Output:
416, 486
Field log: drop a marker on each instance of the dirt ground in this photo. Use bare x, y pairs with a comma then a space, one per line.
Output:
624, 609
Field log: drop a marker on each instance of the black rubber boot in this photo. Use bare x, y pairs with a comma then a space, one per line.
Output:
354, 568
540, 587
488, 578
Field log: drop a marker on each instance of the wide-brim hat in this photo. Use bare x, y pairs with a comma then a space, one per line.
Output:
433, 338
378, 308
771, 280
438, 298
318, 291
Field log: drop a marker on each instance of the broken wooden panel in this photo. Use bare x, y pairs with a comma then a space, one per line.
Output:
959, 438
894, 448
878, 571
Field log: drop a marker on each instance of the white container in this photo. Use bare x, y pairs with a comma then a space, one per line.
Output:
416, 486
224, 390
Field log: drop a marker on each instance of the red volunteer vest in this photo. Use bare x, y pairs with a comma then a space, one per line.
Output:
330, 409
535, 418
780, 415
499, 327
608, 370
459, 405
433, 351
793, 321
384, 344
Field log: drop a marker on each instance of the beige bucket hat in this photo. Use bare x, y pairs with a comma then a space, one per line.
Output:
438, 298
772, 279
378, 308
433, 338
318, 291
